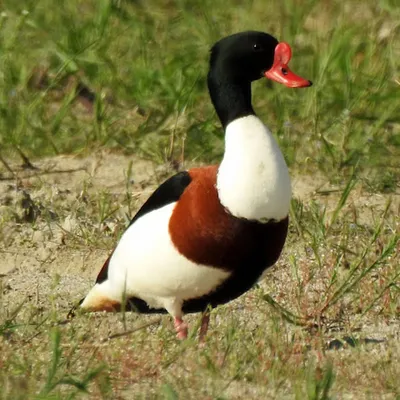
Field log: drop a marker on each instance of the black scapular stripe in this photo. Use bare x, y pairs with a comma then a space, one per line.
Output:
168, 192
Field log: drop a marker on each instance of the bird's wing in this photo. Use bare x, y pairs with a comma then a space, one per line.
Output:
168, 192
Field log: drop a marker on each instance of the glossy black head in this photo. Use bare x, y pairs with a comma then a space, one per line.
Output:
239, 59
244, 56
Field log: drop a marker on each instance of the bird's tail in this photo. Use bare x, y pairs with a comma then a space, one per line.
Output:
96, 300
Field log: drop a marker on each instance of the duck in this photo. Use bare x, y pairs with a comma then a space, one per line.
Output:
206, 235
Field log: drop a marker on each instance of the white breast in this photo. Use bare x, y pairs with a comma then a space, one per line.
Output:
253, 180
146, 264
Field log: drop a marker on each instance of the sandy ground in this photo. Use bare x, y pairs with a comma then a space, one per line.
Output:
34, 260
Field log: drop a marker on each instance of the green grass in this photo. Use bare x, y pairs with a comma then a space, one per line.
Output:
127, 78
146, 64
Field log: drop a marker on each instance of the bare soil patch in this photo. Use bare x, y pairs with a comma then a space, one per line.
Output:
34, 254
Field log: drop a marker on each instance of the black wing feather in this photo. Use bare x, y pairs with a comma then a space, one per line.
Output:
168, 192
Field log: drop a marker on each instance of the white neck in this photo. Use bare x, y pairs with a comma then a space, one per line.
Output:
253, 180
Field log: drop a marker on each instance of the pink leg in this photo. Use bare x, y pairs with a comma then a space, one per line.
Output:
205, 319
181, 328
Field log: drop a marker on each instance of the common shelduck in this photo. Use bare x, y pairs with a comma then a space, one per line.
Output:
206, 235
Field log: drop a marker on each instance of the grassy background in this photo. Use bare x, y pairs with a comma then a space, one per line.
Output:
81, 76
142, 67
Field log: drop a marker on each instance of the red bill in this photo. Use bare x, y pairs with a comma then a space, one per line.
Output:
280, 72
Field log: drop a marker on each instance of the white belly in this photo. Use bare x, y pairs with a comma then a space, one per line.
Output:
146, 264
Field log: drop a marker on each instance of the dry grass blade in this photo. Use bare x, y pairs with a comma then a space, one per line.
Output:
284, 313
6, 165
358, 271
129, 332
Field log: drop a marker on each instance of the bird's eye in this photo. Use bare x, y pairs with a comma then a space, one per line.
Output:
257, 47
284, 71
